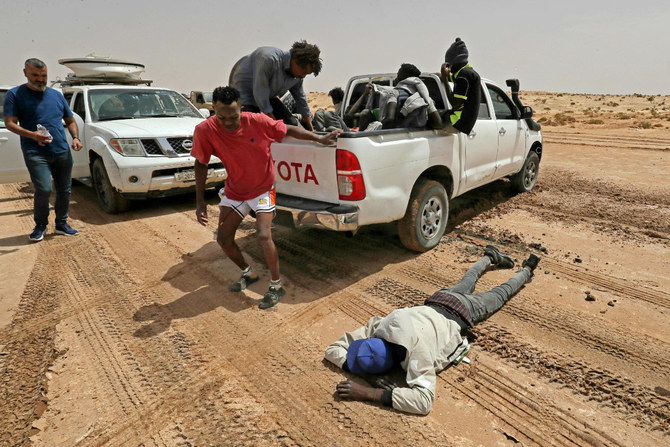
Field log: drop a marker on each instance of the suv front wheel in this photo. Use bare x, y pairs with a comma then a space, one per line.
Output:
109, 199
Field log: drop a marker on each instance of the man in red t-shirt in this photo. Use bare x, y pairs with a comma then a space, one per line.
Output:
241, 140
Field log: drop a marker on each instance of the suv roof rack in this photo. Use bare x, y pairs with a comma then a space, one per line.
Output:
76, 80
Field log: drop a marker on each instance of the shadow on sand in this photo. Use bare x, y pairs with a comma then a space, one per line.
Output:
311, 258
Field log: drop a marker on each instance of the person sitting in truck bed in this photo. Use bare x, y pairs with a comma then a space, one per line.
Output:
330, 120
406, 104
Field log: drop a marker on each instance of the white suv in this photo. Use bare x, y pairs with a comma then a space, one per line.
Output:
137, 142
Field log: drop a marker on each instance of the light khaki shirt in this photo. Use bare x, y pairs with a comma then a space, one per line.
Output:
432, 342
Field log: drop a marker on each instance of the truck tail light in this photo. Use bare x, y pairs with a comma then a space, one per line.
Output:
349, 176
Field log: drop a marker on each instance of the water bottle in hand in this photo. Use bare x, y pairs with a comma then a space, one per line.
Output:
44, 131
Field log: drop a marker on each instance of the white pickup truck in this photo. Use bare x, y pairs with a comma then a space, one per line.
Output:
137, 141
407, 175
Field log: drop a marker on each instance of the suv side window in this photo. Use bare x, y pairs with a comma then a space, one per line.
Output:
68, 97
78, 107
502, 106
3, 93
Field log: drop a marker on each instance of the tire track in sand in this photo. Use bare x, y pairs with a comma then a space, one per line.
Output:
24, 362
645, 352
648, 408
577, 138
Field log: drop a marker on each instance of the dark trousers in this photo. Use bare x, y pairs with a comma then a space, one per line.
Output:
482, 305
279, 110
42, 168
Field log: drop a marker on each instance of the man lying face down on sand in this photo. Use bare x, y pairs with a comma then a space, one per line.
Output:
422, 340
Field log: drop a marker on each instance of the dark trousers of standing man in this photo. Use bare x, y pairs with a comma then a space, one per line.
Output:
42, 168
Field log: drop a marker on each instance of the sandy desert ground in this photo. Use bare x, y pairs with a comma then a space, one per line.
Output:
127, 335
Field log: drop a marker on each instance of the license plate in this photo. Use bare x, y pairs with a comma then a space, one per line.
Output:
189, 176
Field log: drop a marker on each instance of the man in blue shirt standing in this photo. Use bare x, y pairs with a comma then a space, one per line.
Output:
267, 73
34, 112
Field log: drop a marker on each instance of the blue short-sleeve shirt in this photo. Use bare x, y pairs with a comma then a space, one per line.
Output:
47, 108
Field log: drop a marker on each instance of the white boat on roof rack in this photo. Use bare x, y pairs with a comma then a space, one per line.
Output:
71, 80
95, 66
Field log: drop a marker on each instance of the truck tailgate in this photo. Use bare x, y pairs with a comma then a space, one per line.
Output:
306, 169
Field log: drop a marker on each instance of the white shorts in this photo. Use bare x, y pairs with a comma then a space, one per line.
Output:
265, 203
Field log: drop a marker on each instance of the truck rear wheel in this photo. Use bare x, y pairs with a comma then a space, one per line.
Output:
109, 199
426, 217
525, 179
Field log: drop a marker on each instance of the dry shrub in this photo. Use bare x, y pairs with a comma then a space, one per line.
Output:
623, 116
643, 125
560, 119
595, 121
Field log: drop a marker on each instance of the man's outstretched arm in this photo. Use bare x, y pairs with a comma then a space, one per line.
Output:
302, 134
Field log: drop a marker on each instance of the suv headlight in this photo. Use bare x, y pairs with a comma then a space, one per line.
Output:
128, 147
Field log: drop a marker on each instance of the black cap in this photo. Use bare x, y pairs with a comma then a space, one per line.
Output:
457, 53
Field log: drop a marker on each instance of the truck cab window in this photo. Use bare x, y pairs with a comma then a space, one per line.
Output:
484, 113
502, 105
434, 91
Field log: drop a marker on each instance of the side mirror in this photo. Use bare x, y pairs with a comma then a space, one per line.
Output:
204, 112
527, 112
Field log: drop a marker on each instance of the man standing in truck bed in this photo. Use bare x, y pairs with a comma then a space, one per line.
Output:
465, 97
269, 72
241, 140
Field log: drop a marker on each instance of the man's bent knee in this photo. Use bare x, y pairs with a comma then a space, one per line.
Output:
225, 240
265, 238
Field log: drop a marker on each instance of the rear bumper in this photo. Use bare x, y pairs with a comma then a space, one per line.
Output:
307, 213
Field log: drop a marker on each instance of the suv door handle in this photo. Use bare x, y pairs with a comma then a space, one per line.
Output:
502, 131
471, 135
3, 139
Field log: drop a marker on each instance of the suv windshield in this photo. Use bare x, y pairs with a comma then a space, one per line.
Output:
208, 96
118, 104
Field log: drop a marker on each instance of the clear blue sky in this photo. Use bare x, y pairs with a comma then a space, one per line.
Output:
560, 46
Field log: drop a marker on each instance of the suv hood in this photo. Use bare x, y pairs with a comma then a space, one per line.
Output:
150, 127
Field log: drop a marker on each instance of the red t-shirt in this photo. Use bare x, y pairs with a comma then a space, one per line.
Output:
245, 153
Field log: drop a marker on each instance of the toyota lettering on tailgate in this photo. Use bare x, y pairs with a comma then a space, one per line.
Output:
291, 172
